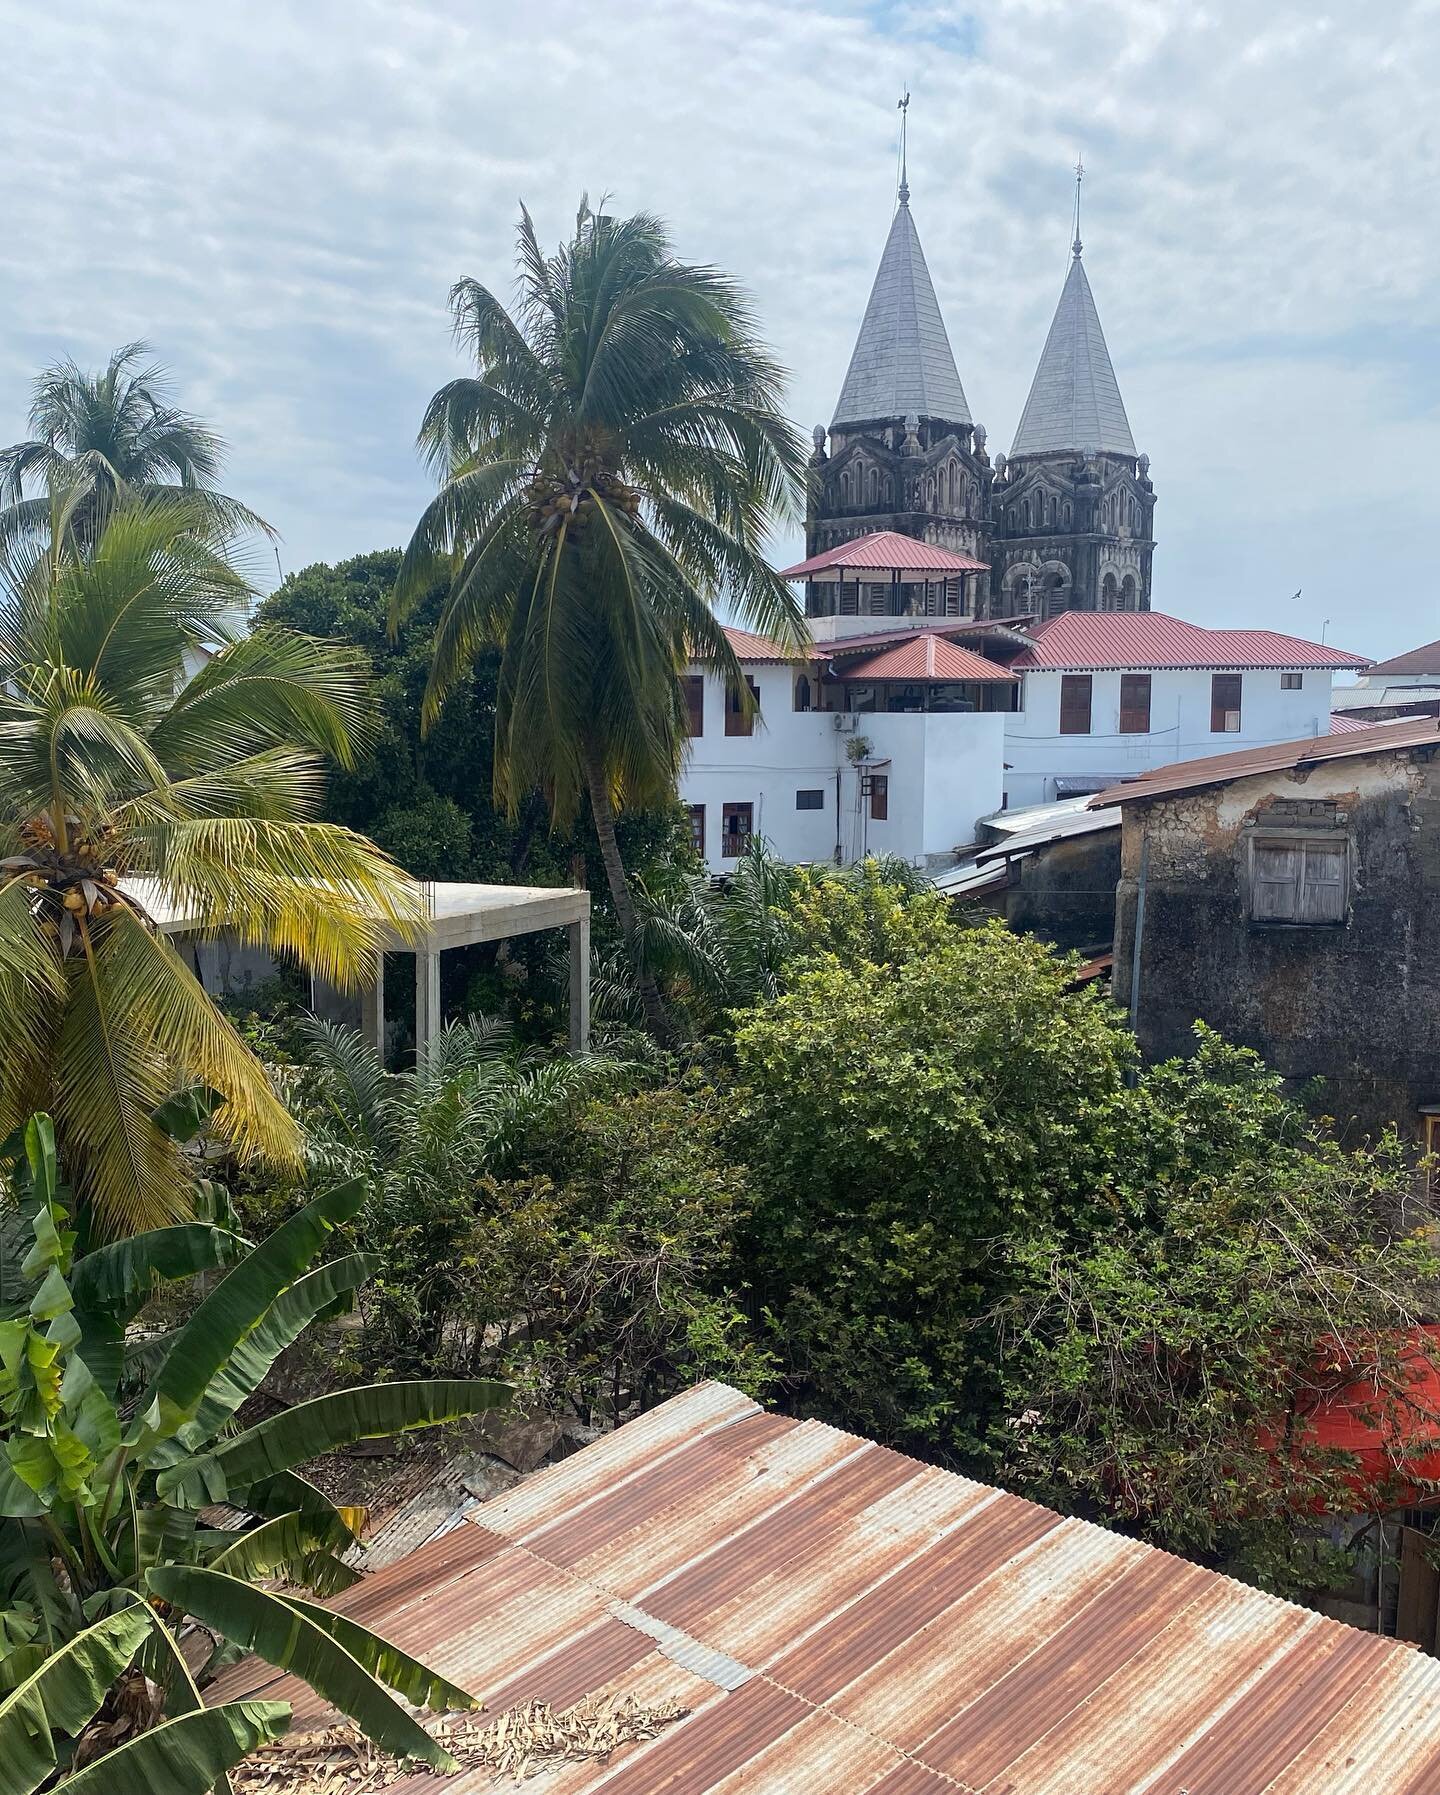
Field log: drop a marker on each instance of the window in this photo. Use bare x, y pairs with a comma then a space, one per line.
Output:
879, 797
1075, 704
810, 800
1109, 592
1297, 881
1127, 593
1224, 704
694, 704
738, 721
1292, 682
802, 693
737, 821
1134, 704
697, 829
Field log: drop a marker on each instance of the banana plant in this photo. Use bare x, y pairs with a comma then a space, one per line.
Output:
105, 1499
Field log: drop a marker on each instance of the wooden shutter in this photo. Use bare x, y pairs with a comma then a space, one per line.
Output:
1075, 703
1134, 704
695, 703
1275, 882
697, 829
1225, 703
736, 721
738, 820
1322, 882
879, 797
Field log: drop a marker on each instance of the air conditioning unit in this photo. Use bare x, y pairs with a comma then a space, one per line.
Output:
846, 722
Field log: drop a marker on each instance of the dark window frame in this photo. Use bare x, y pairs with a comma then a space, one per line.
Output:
695, 705
1135, 699
879, 797
732, 840
697, 829
1221, 687
1292, 682
1077, 698
815, 792
736, 722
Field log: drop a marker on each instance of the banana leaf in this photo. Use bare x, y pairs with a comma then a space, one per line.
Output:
62, 1694
286, 1319
279, 1633
118, 1278
239, 1303
371, 1412
188, 1756
421, 1686
285, 1546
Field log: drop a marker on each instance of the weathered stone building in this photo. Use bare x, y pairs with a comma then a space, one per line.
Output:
1290, 897
1065, 523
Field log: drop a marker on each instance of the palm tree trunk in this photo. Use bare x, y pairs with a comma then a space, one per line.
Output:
657, 1018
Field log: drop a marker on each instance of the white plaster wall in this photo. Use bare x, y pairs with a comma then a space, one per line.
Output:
945, 771
1179, 727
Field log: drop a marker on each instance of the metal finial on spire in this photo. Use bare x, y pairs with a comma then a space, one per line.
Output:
1076, 246
903, 107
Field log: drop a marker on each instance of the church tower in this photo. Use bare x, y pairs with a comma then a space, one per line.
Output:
903, 452
1072, 510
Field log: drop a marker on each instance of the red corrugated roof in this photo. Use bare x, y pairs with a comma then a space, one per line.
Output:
1340, 724
887, 551
1278, 757
829, 1615
927, 657
1414, 660
1096, 640
750, 647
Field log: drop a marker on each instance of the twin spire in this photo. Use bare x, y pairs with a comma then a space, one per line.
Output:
902, 362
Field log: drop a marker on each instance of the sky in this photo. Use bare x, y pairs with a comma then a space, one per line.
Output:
278, 195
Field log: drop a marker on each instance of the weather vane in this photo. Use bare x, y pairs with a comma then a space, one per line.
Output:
1079, 177
903, 108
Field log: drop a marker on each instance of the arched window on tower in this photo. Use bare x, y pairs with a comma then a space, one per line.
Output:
1128, 593
874, 486
1109, 592
1057, 592
1069, 515
845, 489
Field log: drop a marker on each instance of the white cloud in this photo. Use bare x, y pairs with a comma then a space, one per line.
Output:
279, 196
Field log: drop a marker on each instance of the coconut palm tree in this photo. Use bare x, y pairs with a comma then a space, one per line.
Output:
131, 796
107, 434
612, 466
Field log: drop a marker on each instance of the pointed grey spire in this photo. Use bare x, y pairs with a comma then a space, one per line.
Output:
902, 361
1074, 404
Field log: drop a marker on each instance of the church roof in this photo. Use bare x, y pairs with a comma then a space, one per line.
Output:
902, 361
1074, 404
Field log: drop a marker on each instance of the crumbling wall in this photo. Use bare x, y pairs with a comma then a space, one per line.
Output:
1065, 892
1356, 1005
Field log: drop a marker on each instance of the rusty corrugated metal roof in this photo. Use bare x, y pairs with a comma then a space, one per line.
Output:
1276, 757
840, 1620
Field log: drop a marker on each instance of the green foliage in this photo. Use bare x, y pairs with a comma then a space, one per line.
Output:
897, 1118
1154, 1372
101, 1499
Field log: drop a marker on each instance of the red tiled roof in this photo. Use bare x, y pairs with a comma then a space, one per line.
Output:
750, 647
887, 551
1414, 660
927, 656
829, 1615
1279, 757
1084, 640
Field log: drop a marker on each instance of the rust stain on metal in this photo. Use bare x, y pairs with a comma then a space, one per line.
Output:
903, 1632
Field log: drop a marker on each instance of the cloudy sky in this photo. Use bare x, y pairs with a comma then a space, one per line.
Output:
278, 195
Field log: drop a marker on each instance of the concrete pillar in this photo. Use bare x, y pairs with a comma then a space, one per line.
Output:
372, 1009
427, 1001
579, 933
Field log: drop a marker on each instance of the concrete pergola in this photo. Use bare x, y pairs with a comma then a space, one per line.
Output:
464, 915
460, 916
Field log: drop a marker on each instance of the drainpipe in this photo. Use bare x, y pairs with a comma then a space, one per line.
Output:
1139, 933
839, 850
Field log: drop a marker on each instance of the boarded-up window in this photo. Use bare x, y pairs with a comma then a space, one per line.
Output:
1224, 704
1134, 704
1075, 704
695, 704
697, 829
879, 797
737, 820
737, 720
1298, 881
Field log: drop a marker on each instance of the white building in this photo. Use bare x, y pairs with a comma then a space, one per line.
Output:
899, 740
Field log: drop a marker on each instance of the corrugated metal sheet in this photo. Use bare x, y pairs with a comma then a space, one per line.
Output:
1414, 660
760, 649
839, 1620
1277, 757
886, 551
929, 656
1091, 641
